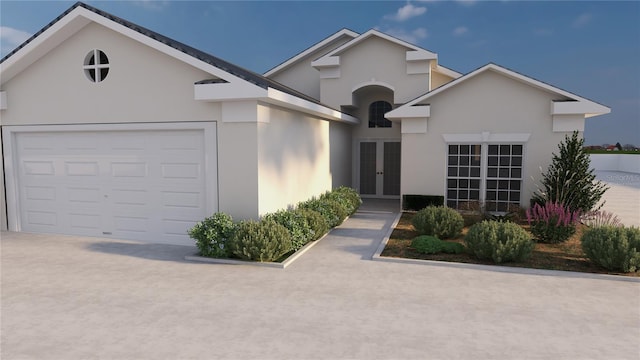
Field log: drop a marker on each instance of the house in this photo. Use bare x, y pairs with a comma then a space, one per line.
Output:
113, 130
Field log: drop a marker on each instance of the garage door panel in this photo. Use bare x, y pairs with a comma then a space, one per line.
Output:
142, 185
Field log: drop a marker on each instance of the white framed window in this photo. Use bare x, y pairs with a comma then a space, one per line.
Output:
485, 172
377, 110
96, 65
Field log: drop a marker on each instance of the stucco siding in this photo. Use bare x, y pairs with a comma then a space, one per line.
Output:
486, 103
143, 85
341, 162
373, 60
238, 169
293, 158
3, 205
438, 79
301, 76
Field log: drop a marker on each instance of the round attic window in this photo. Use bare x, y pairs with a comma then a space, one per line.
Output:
96, 65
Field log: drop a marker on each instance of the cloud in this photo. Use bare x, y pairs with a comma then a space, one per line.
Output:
582, 20
407, 12
460, 30
10, 38
155, 5
413, 36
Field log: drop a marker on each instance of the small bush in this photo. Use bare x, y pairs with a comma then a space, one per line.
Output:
331, 210
615, 248
296, 223
426, 244
498, 241
600, 218
212, 234
441, 222
260, 241
553, 222
317, 223
347, 197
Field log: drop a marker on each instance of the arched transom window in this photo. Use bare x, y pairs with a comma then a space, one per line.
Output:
377, 110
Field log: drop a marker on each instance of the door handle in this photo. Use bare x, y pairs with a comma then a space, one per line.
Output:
379, 172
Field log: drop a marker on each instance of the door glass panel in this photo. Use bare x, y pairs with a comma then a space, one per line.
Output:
391, 168
368, 168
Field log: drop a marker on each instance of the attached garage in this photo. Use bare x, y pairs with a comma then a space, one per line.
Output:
148, 182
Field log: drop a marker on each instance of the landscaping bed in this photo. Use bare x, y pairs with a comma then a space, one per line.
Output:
566, 256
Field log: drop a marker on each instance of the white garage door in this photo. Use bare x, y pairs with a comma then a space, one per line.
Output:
145, 185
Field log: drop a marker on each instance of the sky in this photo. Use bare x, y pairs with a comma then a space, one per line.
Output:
590, 48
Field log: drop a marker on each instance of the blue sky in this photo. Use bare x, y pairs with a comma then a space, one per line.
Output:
585, 47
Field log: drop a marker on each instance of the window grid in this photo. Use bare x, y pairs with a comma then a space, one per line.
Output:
504, 177
377, 110
497, 176
96, 65
463, 174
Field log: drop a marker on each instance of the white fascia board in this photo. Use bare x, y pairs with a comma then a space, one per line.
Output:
283, 99
228, 91
43, 43
326, 61
446, 71
286, 64
588, 108
420, 55
409, 112
3, 100
379, 34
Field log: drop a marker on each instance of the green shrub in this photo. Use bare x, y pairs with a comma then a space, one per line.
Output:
331, 210
317, 223
612, 247
296, 223
427, 244
441, 222
260, 241
570, 179
553, 222
212, 234
498, 241
347, 197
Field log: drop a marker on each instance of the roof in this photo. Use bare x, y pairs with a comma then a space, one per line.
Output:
591, 108
226, 66
311, 49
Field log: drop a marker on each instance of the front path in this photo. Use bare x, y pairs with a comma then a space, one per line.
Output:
82, 298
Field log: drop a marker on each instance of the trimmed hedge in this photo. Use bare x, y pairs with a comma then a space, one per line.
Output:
316, 222
212, 233
499, 241
442, 222
426, 244
295, 221
612, 247
260, 241
348, 198
332, 211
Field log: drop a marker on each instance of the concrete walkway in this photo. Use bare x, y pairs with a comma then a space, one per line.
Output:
83, 298
623, 196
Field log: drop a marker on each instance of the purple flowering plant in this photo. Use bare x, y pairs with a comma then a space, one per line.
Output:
553, 222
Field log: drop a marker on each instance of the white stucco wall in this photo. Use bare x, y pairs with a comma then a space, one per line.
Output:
143, 85
293, 158
340, 146
490, 103
438, 79
301, 76
370, 61
3, 204
616, 162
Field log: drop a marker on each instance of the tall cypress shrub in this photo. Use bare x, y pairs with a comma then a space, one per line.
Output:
569, 179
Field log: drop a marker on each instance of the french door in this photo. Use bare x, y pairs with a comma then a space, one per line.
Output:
379, 168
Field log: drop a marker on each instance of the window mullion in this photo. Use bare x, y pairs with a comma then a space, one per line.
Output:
484, 150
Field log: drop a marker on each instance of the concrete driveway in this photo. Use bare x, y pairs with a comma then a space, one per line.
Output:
83, 298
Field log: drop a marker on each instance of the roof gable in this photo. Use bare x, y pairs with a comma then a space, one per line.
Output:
80, 14
576, 104
344, 33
